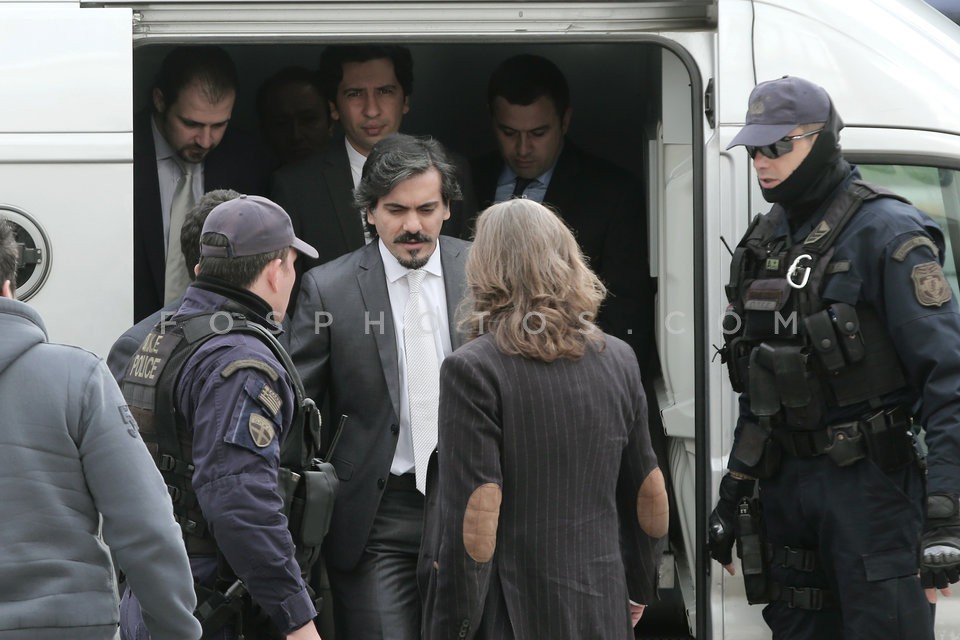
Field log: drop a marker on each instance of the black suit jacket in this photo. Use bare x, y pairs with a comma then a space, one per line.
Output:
317, 192
604, 206
236, 163
343, 342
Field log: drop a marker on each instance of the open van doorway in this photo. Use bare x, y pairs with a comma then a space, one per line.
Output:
634, 104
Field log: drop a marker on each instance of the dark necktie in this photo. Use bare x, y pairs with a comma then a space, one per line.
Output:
520, 186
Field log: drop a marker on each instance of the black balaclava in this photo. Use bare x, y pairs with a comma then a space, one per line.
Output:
802, 193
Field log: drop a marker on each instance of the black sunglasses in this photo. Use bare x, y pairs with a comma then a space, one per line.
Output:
779, 148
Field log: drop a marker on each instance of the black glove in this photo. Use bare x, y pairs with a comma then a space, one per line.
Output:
723, 519
940, 544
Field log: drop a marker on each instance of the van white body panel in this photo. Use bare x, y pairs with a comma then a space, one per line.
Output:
66, 151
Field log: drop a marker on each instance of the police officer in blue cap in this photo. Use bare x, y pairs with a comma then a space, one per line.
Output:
220, 410
843, 337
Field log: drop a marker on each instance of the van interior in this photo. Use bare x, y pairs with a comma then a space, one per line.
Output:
633, 104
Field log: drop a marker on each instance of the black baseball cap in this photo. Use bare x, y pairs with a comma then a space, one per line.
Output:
252, 225
777, 107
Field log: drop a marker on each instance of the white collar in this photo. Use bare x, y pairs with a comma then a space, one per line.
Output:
394, 270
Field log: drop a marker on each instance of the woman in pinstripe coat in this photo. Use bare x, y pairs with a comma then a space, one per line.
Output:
550, 503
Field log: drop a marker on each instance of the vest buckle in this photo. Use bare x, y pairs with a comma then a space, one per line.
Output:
801, 271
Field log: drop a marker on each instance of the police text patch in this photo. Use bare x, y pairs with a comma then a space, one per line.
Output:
261, 430
930, 285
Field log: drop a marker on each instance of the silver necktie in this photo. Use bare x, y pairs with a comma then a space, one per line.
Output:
423, 375
176, 279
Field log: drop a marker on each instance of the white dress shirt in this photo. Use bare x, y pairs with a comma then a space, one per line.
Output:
436, 298
357, 160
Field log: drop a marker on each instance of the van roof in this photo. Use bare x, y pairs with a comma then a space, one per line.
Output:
912, 70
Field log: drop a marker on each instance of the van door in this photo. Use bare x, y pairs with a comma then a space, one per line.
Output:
66, 164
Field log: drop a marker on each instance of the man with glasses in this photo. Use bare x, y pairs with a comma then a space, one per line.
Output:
843, 337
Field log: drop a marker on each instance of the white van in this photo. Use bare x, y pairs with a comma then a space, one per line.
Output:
658, 86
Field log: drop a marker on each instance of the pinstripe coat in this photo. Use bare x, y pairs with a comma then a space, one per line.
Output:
567, 443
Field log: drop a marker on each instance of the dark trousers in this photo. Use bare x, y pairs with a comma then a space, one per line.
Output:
379, 598
865, 525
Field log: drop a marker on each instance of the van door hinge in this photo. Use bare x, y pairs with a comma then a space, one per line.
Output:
709, 104
138, 26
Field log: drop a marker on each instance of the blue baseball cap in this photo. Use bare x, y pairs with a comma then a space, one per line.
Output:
777, 107
252, 225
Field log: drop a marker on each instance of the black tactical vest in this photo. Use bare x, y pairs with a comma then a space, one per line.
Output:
796, 356
148, 387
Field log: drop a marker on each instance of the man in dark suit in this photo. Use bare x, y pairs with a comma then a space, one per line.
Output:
369, 88
603, 204
352, 338
183, 144
294, 114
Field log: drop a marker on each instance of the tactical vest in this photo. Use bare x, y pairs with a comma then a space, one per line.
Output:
306, 483
796, 356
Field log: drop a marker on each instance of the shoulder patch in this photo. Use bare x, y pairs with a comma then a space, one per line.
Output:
261, 430
916, 241
930, 286
822, 229
250, 363
270, 399
839, 266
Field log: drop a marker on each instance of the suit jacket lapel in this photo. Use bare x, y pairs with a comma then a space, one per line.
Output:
376, 300
486, 171
564, 178
146, 192
454, 284
340, 187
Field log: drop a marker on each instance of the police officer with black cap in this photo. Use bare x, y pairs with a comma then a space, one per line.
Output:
220, 409
843, 337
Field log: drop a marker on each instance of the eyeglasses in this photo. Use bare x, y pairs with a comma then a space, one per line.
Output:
781, 147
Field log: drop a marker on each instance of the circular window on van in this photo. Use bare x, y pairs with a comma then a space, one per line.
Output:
34, 245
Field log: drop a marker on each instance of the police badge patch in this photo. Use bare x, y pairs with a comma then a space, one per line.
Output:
930, 285
261, 430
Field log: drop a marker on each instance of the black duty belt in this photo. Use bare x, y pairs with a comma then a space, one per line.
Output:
806, 444
809, 598
886, 437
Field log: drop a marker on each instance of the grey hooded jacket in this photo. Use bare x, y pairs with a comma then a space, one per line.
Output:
69, 454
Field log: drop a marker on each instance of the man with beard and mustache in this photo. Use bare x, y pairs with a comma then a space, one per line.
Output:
844, 339
369, 333
182, 149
